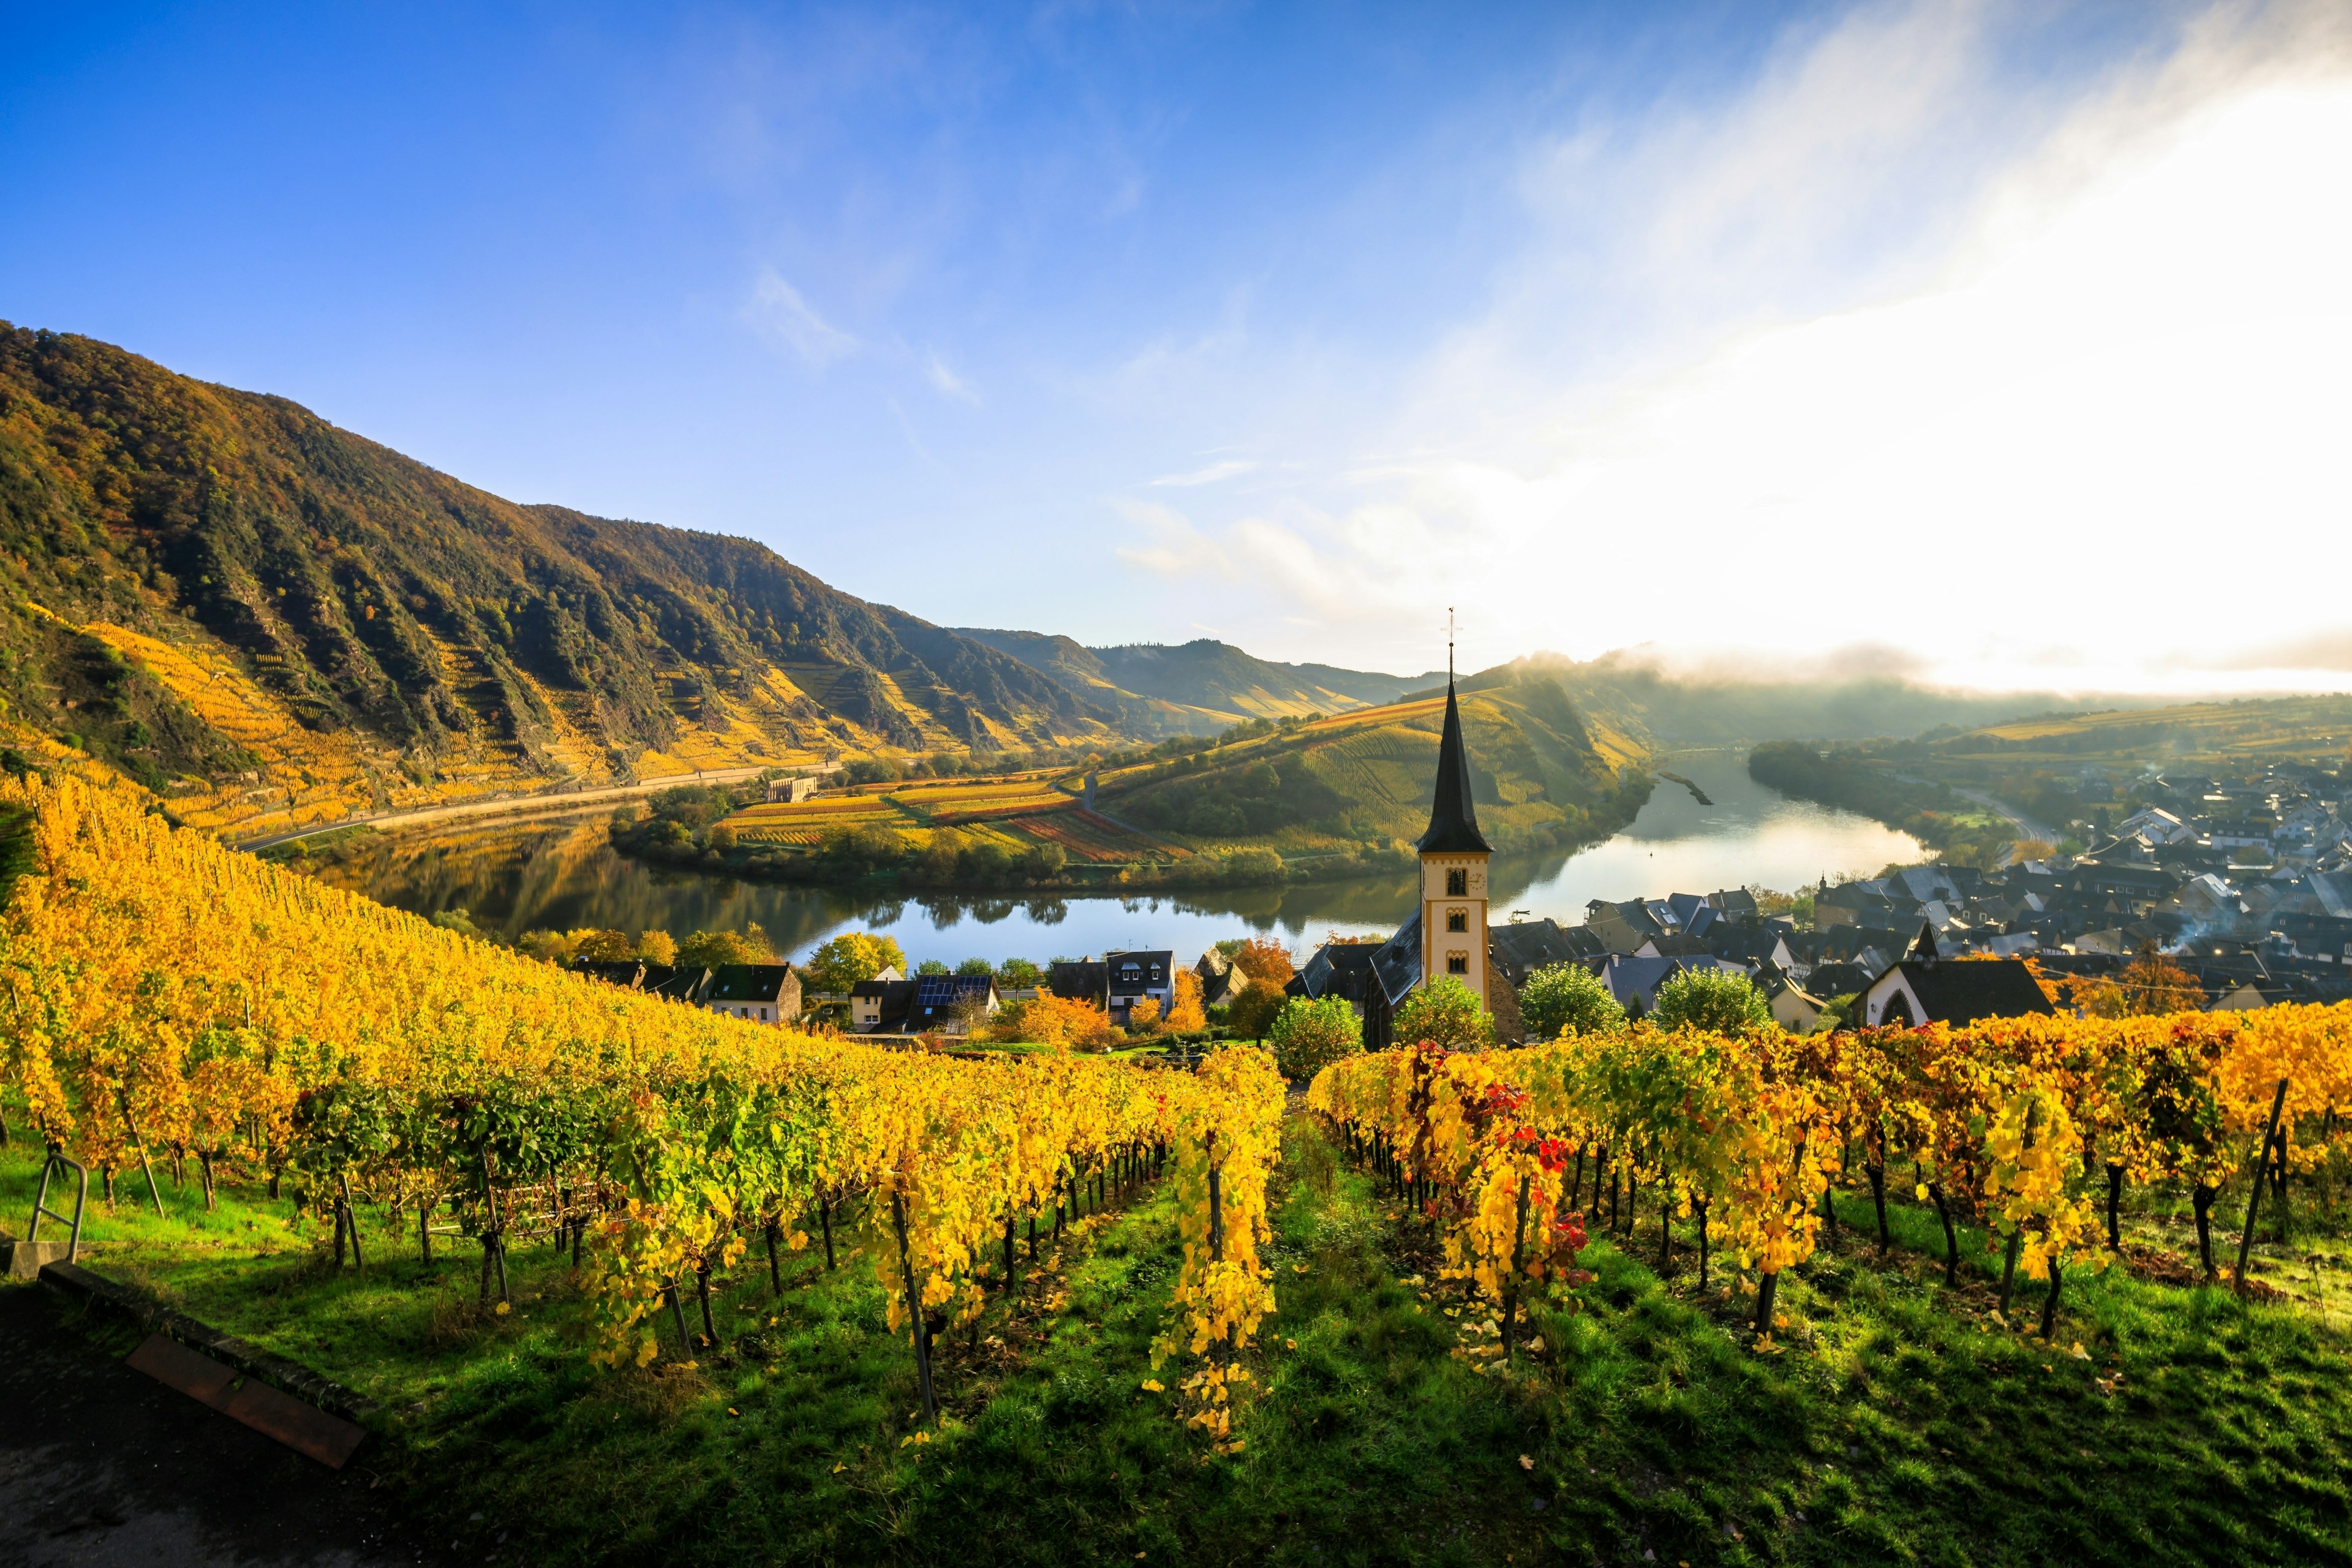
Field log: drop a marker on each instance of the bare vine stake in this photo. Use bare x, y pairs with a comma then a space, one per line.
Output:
2254, 1197
124, 1100
1878, 1201
776, 1270
424, 1230
351, 1217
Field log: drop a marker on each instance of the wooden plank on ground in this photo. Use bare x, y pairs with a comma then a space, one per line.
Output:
305, 1428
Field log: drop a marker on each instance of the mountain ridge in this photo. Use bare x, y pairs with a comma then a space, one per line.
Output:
1197, 687
203, 586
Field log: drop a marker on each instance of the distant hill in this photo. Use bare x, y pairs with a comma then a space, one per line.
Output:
2277, 728
1198, 687
1676, 709
273, 619
1542, 774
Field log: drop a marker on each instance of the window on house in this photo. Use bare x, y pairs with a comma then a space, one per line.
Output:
1457, 919
1457, 884
1457, 964
763, 1014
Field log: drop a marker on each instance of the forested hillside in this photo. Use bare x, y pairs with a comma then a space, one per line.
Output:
271, 619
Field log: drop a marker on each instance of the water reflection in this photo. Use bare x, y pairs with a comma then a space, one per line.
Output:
518, 877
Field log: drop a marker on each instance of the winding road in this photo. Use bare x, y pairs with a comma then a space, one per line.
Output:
550, 803
2024, 825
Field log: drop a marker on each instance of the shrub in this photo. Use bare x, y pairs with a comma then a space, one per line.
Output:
1563, 996
1445, 1013
1309, 1035
1253, 1012
1713, 999
1050, 1020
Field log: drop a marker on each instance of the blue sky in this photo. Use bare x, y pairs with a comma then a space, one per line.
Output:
1615, 324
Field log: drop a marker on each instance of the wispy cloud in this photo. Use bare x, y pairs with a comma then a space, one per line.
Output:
1168, 545
946, 381
778, 310
1215, 473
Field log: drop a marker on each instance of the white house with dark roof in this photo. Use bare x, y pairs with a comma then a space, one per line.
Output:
755, 993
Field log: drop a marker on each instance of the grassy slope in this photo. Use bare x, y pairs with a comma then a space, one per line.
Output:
1898, 1424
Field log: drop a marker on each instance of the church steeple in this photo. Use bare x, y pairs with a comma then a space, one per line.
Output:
1452, 918
1452, 815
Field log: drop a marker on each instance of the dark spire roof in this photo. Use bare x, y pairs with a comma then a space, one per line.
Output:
1453, 816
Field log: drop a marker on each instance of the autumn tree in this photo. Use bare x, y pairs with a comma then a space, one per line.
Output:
850, 958
2150, 985
1266, 961
602, 946
713, 948
1185, 1015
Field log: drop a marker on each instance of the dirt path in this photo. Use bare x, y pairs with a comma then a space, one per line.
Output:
100, 1465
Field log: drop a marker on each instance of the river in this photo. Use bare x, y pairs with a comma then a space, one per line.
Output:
521, 877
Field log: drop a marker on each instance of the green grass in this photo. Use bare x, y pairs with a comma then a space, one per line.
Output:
1897, 1422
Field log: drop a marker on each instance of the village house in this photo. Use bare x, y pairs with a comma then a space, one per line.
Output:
757, 993
1080, 980
952, 1004
880, 1006
1134, 976
1926, 989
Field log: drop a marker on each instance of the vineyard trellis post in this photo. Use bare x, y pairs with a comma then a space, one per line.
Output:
347, 1218
2254, 1197
139, 1142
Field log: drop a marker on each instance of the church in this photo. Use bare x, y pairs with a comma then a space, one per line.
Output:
1447, 934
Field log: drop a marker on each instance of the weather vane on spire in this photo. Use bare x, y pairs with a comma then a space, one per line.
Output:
1450, 629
